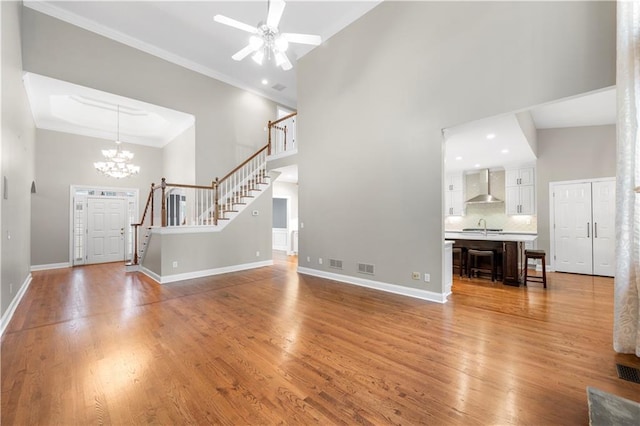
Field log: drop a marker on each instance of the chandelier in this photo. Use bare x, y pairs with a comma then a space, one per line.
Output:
117, 162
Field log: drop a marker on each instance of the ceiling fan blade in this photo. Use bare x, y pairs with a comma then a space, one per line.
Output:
235, 24
276, 7
243, 53
302, 38
283, 61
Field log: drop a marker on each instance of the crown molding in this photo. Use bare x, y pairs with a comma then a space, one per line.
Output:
48, 8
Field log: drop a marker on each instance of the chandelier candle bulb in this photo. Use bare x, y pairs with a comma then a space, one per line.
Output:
117, 162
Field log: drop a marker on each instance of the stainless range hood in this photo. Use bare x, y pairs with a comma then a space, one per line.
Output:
485, 191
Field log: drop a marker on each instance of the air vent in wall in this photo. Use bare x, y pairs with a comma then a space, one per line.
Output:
335, 263
279, 87
365, 268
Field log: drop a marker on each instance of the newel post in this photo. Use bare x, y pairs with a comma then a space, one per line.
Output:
216, 208
135, 244
153, 185
163, 185
269, 143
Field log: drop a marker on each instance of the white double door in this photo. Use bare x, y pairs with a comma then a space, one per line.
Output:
584, 227
105, 231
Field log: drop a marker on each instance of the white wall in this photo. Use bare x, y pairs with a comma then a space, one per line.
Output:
16, 161
62, 160
373, 100
570, 154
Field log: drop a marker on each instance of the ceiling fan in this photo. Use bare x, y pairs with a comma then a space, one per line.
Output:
266, 38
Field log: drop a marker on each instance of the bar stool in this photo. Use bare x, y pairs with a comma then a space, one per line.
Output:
472, 262
536, 255
460, 253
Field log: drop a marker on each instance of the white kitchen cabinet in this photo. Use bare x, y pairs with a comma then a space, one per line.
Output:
454, 195
520, 176
520, 191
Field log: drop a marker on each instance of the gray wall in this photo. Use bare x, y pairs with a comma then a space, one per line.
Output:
179, 158
229, 121
570, 154
237, 244
63, 159
18, 134
373, 100
288, 190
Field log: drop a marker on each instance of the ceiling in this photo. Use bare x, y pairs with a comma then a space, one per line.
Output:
185, 33
288, 174
65, 107
468, 146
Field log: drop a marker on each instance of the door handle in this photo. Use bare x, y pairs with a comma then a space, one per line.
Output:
595, 229
587, 229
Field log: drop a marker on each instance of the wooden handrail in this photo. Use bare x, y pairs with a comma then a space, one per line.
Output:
279, 120
146, 207
181, 185
244, 163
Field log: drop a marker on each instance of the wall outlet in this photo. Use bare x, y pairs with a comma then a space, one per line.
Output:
257, 254
11, 288
320, 260
175, 263
415, 275
308, 258
255, 213
301, 225
427, 277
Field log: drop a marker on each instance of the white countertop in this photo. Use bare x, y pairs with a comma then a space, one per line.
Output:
479, 236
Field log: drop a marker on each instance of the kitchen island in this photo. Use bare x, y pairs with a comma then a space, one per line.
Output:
509, 248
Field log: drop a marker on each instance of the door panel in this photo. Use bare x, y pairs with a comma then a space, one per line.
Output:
527, 199
105, 231
572, 220
604, 246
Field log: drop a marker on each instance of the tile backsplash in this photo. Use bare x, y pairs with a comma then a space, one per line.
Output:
494, 214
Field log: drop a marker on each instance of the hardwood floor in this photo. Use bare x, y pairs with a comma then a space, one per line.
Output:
95, 345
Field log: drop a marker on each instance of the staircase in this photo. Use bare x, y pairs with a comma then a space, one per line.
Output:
182, 206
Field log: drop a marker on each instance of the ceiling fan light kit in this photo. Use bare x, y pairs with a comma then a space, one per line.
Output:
266, 40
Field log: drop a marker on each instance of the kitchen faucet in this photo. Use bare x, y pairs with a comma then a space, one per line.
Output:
485, 225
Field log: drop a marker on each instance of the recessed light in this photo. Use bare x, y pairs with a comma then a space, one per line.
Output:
458, 158
477, 165
491, 136
265, 81
504, 151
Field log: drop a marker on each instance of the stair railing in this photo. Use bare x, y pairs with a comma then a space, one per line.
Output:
239, 182
196, 205
278, 131
143, 220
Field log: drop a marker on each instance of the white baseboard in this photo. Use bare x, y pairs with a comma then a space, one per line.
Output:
204, 273
50, 266
150, 274
8, 314
377, 285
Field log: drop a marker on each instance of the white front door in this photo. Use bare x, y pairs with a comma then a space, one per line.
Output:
604, 234
572, 217
105, 231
